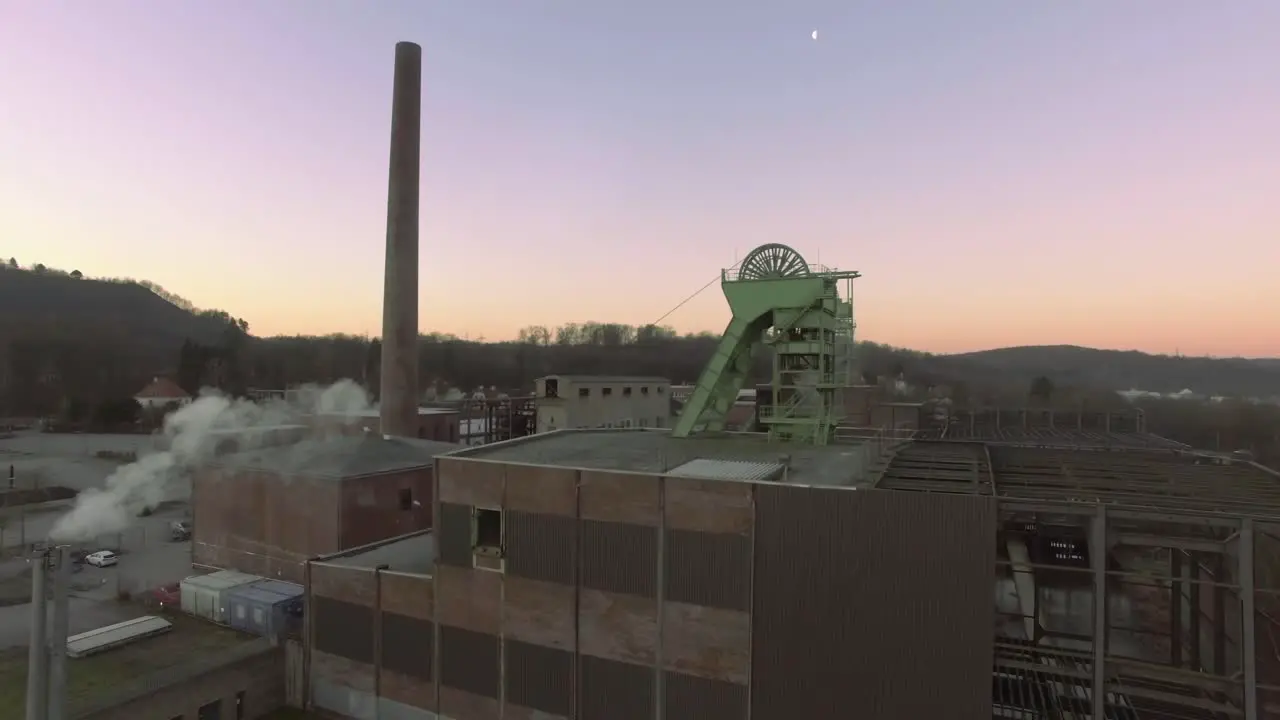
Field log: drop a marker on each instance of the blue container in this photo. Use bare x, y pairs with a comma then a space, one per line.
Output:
270, 608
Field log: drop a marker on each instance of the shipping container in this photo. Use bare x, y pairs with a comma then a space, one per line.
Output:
205, 595
270, 608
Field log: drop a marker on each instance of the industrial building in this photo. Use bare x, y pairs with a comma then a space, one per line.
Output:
1004, 564
266, 511
433, 423
597, 401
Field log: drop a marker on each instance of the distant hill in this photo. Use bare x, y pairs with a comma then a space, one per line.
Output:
55, 305
50, 317
1124, 370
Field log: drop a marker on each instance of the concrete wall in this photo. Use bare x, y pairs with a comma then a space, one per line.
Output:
261, 523
260, 678
371, 506
370, 644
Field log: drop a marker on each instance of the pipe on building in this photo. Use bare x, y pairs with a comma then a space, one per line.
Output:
37, 666
399, 391
58, 635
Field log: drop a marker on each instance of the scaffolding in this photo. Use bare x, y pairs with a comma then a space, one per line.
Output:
1132, 582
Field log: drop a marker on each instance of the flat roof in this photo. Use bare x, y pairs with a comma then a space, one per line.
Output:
413, 553
655, 451
94, 683
340, 457
1166, 479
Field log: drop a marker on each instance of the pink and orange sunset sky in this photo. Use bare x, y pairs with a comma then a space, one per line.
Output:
1003, 172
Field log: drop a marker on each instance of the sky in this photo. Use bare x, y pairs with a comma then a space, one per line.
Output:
1002, 172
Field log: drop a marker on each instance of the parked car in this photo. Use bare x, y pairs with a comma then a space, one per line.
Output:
179, 530
102, 558
169, 595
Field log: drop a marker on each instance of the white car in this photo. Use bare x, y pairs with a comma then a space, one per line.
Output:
102, 558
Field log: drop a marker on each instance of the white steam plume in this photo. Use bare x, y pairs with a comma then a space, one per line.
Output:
191, 436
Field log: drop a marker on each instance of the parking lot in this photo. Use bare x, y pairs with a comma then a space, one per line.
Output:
148, 555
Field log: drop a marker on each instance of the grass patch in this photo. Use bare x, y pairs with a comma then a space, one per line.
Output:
90, 679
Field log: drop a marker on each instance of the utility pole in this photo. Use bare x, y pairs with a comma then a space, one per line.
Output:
37, 666
47, 656
58, 635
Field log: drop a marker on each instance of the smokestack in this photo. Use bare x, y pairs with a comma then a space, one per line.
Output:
399, 392
58, 636
37, 668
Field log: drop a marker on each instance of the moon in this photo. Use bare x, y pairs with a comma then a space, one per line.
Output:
814, 35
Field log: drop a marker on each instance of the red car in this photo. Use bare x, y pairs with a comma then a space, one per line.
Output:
168, 595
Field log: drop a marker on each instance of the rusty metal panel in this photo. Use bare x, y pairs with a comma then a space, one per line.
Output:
407, 594
611, 690
454, 535
539, 612
471, 482
619, 497
407, 645
469, 661
353, 584
545, 490
706, 642
540, 547
712, 569
470, 599
539, 677
342, 628
891, 588
707, 505
619, 557
693, 698
618, 627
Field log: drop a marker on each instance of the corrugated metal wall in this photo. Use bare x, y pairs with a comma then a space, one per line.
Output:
872, 604
539, 677
711, 569
614, 690
407, 645
469, 661
342, 628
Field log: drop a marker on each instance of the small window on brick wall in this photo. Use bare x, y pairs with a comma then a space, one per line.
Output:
487, 532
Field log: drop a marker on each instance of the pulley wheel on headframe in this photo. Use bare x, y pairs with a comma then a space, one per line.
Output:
772, 261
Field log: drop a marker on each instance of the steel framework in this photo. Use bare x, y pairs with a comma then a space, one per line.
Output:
1132, 583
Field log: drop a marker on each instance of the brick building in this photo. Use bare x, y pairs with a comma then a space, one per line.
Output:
266, 511
610, 574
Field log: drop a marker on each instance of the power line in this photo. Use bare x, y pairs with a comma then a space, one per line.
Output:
683, 302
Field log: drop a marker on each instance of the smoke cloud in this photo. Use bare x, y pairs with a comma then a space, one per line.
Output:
191, 437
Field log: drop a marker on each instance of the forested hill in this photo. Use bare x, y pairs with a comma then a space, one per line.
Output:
64, 336
1123, 370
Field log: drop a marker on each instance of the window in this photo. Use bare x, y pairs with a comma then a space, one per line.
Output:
551, 388
658, 389
210, 711
406, 498
644, 390
259, 617
487, 531
606, 391
584, 392
240, 705
626, 391
239, 612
